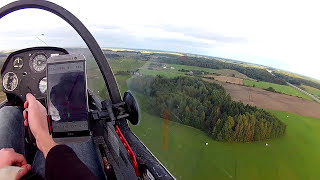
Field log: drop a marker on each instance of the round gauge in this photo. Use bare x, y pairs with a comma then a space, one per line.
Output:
10, 81
43, 85
17, 63
38, 63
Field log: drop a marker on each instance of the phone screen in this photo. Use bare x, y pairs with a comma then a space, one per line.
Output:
67, 100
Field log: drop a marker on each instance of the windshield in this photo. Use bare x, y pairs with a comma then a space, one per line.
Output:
225, 90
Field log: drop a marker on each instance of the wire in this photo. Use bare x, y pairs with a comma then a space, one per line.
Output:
42, 41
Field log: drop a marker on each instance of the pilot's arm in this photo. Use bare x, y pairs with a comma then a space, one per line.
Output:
12, 164
63, 163
61, 160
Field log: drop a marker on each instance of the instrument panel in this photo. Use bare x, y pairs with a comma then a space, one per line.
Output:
24, 71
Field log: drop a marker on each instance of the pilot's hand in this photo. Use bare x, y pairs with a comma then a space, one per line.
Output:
37, 120
10, 158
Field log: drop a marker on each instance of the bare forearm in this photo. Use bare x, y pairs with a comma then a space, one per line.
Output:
45, 143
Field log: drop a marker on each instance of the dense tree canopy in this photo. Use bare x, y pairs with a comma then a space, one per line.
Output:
208, 107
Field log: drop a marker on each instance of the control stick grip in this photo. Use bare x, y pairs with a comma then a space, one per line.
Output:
31, 138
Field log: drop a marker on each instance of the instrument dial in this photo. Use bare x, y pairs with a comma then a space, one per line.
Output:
38, 63
17, 63
10, 81
43, 85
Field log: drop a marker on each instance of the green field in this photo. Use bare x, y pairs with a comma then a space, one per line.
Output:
294, 156
290, 74
125, 64
231, 73
311, 90
122, 82
178, 66
96, 82
171, 73
166, 73
279, 88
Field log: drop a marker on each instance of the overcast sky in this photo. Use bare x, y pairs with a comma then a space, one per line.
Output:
281, 34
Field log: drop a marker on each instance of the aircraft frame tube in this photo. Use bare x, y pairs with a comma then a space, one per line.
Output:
77, 25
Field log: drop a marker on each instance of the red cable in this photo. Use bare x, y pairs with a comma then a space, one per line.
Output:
49, 124
129, 150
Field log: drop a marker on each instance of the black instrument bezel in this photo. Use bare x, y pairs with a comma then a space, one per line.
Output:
16, 53
28, 79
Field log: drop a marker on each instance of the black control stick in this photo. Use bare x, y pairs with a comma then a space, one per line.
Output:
30, 138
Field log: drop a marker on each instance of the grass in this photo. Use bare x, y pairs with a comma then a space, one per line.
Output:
166, 73
96, 82
126, 64
311, 90
279, 88
171, 73
293, 156
122, 82
143, 51
290, 74
230, 73
2, 94
175, 72
191, 68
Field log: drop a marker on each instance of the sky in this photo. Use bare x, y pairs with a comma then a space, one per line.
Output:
281, 34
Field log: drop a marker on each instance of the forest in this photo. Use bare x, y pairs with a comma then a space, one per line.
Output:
252, 72
207, 106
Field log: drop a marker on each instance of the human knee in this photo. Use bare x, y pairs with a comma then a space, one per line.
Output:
10, 116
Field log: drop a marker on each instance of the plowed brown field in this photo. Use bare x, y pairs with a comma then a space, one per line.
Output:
274, 101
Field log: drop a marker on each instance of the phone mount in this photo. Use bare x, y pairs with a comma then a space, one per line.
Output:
109, 112
132, 108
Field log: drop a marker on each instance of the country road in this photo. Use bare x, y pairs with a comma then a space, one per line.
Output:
299, 89
303, 91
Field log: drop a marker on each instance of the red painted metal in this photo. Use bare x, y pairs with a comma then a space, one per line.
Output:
129, 150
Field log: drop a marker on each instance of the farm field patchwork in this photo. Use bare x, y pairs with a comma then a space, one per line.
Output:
125, 64
226, 79
192, 154
172, 70
270, 100
232, 73
166, 73
278, 88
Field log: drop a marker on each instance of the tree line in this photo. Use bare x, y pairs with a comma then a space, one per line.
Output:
207, 106
196, 72
297, 81
252, 72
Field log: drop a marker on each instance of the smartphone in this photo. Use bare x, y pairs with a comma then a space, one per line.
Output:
67, 97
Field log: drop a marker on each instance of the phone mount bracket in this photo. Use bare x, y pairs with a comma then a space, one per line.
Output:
110, 112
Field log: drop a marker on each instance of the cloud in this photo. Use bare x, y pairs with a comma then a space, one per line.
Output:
282, 34
198, 32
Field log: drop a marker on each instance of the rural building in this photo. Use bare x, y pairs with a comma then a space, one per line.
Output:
190, 73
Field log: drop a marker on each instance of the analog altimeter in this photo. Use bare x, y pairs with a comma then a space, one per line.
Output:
10, 81
38, 63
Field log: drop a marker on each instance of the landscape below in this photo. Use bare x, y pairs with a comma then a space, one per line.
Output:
207, 107
210, 150
190, 153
